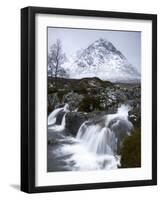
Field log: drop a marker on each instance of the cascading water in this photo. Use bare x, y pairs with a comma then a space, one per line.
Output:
95, 138
60, 127
52, 118
96, 144
102, 138
53, 115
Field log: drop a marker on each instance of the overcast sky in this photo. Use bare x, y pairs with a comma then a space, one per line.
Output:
129, 43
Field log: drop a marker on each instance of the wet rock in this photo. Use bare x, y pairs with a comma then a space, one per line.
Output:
59, 118
135, 115
112, 109
52, 142
74, 120
60, 105
121, 128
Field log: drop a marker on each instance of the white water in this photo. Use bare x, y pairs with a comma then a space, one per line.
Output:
96, 143
53, 115
80, 158
101, 138
60, 127
95, 138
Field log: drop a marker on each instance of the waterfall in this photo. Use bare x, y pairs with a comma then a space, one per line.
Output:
53, 115
95, 138
52, 119
95, 146
104, 138
61, 127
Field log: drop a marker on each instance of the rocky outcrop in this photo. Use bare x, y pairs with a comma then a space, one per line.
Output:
74, 121
91, 95
59, 118
73, 99
135, 115
53, 101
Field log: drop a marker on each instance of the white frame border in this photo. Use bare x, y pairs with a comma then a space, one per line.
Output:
42, 178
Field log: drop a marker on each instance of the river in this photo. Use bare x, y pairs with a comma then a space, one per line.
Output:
95, 146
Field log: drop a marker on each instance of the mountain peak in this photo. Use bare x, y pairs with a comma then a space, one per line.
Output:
101, 59
104, 44
101, 41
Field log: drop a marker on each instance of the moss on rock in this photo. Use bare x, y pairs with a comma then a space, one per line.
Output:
89, 104
131, 150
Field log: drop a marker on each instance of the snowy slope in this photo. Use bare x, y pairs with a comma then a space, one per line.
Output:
101, 59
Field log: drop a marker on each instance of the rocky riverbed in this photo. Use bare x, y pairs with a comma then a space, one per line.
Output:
90, 99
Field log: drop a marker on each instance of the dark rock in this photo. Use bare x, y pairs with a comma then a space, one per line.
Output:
89, 104
73, 99
131, 150
121, 128
135, 115
74, 120
53, 101
59, 106
112, 109
52, 141
59, 117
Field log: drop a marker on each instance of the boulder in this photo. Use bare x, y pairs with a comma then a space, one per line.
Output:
59, 117
74, 120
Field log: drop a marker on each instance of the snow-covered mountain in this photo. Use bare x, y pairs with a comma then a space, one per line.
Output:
101, 59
